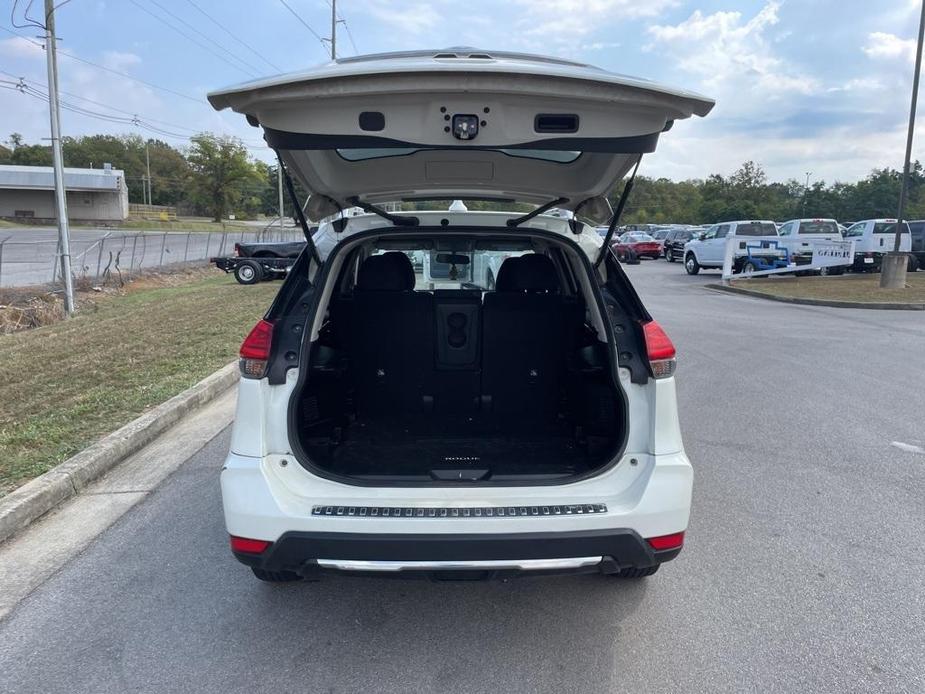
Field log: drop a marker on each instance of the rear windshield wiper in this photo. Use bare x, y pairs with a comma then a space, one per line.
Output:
399, 220
517, 221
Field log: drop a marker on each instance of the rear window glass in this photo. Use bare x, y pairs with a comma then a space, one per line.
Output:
471, 269
553, 155
756, 229
819, 228
637, 236
888, 228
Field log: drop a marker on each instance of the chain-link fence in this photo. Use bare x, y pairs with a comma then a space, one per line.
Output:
119, 254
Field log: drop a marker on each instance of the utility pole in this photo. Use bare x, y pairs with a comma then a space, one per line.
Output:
333, 29
64, 242
279, 181
148, 167
894, 265
806, 192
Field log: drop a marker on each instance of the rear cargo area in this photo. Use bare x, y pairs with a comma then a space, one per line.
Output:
464, 385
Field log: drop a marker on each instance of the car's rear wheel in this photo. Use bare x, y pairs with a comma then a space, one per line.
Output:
276, 576
669, 256
913, 264
248, 272
691, 264
749, 268
637, 573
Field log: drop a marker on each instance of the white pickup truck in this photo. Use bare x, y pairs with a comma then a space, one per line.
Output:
874, 237
799, 235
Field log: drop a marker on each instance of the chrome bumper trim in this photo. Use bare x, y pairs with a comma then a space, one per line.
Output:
478, 565
459, 511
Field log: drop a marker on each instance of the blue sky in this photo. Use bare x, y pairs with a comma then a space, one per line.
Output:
801, 85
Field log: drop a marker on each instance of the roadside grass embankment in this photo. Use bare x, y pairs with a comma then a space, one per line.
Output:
70, 383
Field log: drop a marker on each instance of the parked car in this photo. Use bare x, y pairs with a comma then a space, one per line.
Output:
917, 242
874, 237
382, 427
660, 235
708, 250
800, 233
255, 262
638, 244
674, 243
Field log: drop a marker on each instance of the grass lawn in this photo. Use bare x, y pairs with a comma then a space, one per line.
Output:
68, 384
862, 287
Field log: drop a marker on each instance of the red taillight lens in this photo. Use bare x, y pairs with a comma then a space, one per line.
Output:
249, 546
255, 350
659, 349
662, 542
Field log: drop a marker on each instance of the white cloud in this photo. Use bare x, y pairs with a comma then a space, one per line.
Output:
19, 48
881, 45
412, 18
732, 56
566, 21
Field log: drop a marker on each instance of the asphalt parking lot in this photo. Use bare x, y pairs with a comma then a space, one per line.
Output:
803, 569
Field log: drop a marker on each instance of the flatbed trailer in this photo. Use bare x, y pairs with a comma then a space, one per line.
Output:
254, 270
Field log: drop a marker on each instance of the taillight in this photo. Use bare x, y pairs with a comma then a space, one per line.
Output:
659, 350
246, 545
663, 542
255, 350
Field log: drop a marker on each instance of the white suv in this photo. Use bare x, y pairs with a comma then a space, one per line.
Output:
384, 424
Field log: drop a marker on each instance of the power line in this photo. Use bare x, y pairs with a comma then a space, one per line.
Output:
108, 69
233, 36
304, 23
108, 117
248, 65
191, 38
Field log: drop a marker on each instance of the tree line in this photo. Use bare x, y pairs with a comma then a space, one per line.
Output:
215, 176
747, 194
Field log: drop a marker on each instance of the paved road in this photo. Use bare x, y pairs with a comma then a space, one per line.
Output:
803, 570
29, 254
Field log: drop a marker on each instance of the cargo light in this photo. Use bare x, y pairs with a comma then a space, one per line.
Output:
246, 545
659, 350
663, 542
255, 350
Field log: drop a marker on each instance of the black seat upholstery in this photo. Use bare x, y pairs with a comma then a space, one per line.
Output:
391, 337
528, 328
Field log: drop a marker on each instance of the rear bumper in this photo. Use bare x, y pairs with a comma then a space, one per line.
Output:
594, 551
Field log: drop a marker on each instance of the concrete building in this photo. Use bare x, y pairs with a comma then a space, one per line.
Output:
93, 195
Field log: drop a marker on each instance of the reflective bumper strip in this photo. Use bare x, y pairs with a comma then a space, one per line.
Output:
482, 565
460, 511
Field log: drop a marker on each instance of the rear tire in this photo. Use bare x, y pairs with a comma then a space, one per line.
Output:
248, 272
669, 255
912, 263
276, 576
691, 264
637, 573
748, 268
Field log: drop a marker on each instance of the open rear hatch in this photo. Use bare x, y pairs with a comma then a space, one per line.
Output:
460, 124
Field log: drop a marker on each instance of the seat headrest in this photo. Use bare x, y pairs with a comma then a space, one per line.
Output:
505, 280
389, 272
531, 273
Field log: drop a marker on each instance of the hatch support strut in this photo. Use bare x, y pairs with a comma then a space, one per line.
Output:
313, 250
517, 221
615, 220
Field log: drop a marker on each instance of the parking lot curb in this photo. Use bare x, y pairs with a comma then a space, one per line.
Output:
888, 306
29, 502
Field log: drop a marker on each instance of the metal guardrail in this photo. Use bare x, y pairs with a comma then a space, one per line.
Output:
117, 254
